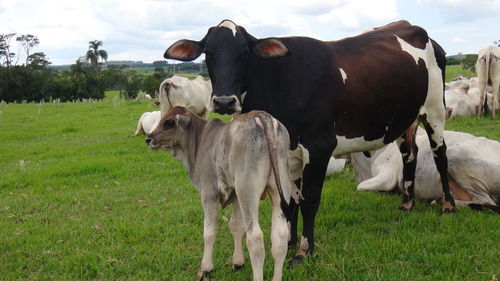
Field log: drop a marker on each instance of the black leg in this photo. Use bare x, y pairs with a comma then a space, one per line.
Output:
409, 152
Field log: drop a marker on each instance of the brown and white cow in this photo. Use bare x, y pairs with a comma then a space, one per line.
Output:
488, 73
236, 162
354, 94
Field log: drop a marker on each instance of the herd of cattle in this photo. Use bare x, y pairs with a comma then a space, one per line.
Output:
298, 102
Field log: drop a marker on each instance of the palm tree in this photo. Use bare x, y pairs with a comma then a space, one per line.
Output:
94, 54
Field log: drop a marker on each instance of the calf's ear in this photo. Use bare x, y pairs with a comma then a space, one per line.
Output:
182, 120
184, 50
270, 48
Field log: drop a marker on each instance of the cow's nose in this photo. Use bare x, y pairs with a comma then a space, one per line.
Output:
148, 140
224, 105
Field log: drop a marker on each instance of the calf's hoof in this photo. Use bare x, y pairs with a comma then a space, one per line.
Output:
237, 267
297, 260
203, 275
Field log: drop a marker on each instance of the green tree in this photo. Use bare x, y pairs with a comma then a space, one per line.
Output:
94, 54
28, 42
133, 84
469, 62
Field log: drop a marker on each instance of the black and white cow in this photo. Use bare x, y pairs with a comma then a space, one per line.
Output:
355, 94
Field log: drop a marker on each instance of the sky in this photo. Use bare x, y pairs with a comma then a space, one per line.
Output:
141, 30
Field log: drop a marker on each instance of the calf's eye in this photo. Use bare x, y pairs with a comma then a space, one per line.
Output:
169, 124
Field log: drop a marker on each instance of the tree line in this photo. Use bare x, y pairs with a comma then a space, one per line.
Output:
26, 75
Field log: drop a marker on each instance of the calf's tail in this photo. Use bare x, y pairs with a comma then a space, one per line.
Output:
271, 131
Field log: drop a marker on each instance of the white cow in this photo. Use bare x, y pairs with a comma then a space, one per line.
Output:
462, 97
148, 122
191, 94
473, 168
234, 163
488, 72
299, 158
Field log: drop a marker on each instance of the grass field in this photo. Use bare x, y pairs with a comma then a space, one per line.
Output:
82, 200
453, 71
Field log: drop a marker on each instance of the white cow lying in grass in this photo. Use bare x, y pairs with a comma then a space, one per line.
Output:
148, 122
299, 158
192, 94
473, 168
463, 97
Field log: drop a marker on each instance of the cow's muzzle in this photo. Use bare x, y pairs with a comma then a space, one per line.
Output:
226, 105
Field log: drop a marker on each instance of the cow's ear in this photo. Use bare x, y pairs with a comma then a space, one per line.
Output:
270, 48
182, 120
184, 50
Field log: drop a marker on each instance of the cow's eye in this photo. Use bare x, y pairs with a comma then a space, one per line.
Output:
169, 124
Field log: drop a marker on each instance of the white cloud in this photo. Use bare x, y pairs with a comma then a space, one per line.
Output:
454, 11
143, 29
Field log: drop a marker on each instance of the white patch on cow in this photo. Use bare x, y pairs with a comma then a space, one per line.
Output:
243, 97
416, 53
358, 144
433, 106
230, 25
344, 75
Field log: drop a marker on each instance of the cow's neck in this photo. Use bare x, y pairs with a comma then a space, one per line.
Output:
188, 150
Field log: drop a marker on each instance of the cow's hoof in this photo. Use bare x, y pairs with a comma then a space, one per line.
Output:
406, 207
448, 208
203, 275
298, 259
237, 267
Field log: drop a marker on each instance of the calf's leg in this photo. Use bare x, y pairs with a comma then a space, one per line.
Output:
237, 230
209, 232
249, 198
279, 234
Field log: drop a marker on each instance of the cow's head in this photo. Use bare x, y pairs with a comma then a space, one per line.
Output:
171, 130
228, 51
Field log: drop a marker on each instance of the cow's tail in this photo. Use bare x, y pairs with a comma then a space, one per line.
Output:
271, 132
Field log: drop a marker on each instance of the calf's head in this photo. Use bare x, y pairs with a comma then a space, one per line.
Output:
171, 130
228, 50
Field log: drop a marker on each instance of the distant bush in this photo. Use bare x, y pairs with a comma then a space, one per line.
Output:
469, 62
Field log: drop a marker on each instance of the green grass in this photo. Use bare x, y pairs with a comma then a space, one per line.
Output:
82, 200
453, 71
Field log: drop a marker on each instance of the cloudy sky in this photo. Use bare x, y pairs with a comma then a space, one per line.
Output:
143, 29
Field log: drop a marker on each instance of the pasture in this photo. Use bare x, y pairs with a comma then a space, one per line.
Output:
82, 200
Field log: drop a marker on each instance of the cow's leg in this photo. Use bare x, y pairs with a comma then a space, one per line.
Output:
313, 178
409, 150
294, 217
438, 146
249, 197
237, 230
279, 233
209, 232
139, 127
495, 95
